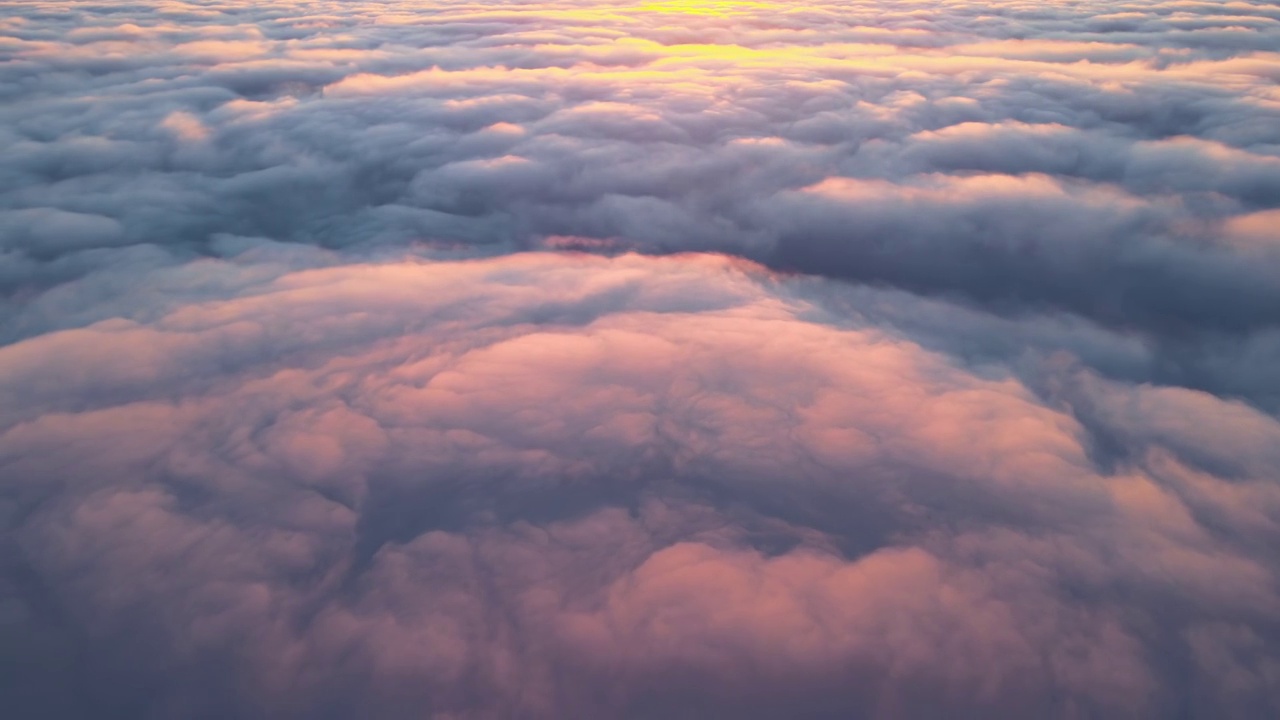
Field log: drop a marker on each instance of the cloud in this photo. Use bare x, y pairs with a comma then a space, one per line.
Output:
550, 484
675, 359
675, 127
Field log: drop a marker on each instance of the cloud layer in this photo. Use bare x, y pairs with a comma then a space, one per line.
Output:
607, 360
551, 485
1117, 162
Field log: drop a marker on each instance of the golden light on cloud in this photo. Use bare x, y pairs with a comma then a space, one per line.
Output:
715, 8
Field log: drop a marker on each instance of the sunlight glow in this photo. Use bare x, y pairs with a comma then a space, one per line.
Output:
719, 8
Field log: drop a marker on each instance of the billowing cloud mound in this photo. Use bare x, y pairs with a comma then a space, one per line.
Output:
607, 360
547, 486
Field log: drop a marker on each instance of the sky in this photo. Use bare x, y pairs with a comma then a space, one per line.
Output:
885, 360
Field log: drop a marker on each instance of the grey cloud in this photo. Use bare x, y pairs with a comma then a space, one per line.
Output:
48, 231
350, 165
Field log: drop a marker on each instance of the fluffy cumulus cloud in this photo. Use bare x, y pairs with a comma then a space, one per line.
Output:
543, 486
640, 360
